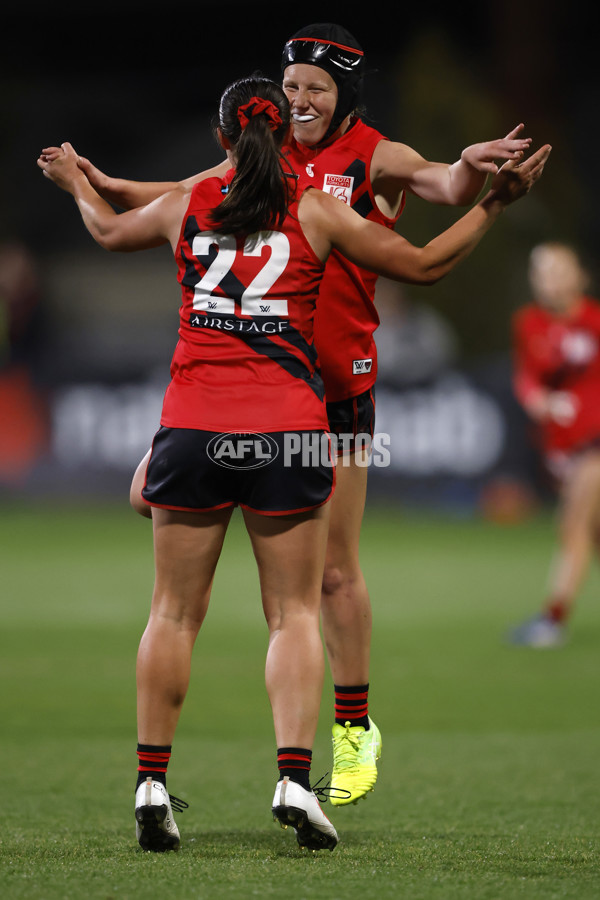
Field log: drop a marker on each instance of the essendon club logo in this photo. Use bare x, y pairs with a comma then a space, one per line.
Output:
362, 366
340, 186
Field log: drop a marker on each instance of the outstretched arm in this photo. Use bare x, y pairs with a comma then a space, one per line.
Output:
328, 224
128, 194
137, 229
397, 167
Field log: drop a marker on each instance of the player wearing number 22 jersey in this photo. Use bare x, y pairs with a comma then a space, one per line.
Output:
346, 317
245, 358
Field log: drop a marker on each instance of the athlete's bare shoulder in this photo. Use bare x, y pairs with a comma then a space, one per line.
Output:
314, 204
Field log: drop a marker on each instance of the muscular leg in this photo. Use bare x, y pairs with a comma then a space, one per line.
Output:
186, 549
290, 551
578, 529
345, 603
346, 618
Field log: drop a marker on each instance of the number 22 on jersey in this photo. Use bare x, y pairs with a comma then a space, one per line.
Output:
252, 298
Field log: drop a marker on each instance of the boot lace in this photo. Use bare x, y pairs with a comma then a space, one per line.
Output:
177, 804
325, 791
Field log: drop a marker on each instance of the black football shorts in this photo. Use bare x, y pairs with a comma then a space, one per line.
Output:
279, 473
351, 419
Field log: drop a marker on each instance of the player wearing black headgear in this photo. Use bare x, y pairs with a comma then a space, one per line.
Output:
323, 68
370, 173
332, 48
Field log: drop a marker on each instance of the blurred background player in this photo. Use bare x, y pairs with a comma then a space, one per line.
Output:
23, 366
557, 380
323, 67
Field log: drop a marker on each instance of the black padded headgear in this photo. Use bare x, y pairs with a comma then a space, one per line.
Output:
334, 49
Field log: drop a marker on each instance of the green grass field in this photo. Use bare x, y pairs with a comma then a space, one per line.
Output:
489, 780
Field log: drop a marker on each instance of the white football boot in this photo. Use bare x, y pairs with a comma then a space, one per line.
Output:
294, 805
155, 826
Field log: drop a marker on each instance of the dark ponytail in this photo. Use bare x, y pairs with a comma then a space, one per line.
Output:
260, 192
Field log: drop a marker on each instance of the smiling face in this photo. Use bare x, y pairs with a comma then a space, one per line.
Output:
313, 95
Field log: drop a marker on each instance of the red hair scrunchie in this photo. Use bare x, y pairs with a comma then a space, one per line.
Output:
256, 106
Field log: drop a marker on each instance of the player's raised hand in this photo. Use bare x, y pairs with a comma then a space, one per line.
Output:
48, 154
483, 157
60, 165
515, 178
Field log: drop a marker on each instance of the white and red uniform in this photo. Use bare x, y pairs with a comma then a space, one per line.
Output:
346, 317
245, 359
561, 354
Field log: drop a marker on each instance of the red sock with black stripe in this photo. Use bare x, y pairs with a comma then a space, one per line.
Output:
295, 763
352, 705
558, 611
152, 763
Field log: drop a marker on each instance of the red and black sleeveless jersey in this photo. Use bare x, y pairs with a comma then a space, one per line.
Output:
245, 359
346, 316
561, 354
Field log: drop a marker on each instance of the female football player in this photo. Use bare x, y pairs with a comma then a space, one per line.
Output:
557, 380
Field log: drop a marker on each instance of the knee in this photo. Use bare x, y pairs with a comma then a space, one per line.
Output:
343, 585
341, 580
273, 624
576, 522
334, 580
